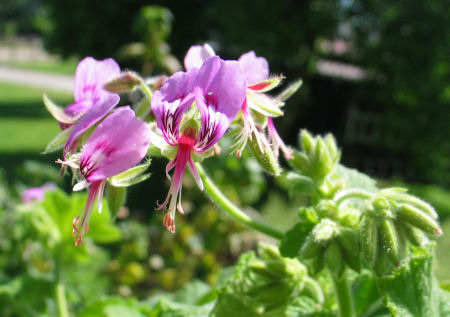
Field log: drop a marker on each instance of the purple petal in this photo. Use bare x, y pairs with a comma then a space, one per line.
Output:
196, 55
78, 108
117, 144
256, 69
227, 89
219, 98
171, 102
90, 77
97, 112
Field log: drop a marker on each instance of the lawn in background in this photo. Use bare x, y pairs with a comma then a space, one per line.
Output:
25, 125
53, 66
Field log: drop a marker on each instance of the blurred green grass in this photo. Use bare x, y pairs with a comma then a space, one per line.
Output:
25, 125
53, 66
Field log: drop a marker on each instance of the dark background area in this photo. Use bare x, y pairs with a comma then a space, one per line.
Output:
391, 122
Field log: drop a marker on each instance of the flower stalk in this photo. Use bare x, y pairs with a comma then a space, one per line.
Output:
219, 198
343, 296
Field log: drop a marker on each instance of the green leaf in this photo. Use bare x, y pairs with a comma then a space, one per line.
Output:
166, 308
115, 307
355, 179
412, 291
295, 238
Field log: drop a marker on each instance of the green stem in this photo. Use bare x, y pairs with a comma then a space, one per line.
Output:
219, 198
60, 291
147, 90
352, 193
343, 296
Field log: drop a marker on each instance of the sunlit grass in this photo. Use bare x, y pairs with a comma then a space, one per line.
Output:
61, 67
25, 125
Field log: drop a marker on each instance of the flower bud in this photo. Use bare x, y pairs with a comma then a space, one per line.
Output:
311, 248
307, 142
418, 219
369, 239
125, 82
390, 243
264, 154
414, 235
334, 259
349, 242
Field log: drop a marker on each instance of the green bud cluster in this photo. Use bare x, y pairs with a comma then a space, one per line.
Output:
315, 164
269, 282
332, 245
392, 220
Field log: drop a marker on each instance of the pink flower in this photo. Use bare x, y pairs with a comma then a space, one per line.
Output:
118, 143
256, 70
36, 193
92, 101
218, 90
90, 77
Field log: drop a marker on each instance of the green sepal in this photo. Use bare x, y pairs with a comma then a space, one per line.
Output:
58, 112
350, 244
264, 104
58, 141
334, 259
311, 248
267, 84
131, 176
116, 197
290, 90
317, 263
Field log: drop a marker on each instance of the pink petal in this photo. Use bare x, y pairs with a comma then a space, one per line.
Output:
196, 55
90, 77
171, 102
97, 112
117, 144
256, 69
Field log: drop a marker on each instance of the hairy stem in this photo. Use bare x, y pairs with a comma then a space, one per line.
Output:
343, 296
147, 90
351, 193
219, 198
60, 291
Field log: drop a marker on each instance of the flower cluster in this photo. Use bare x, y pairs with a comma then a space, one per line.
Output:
191, 111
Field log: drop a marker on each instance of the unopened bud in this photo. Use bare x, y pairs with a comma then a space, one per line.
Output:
334, 259
264, 154
124, 82
418, 219
307, 142
369, 239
